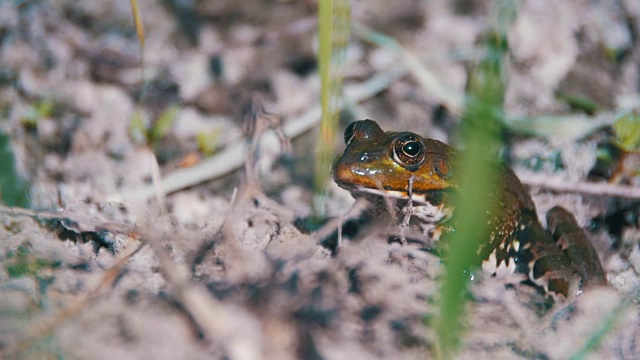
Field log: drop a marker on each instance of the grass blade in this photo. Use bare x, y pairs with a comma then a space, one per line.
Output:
477, 174
14, 191
334, 28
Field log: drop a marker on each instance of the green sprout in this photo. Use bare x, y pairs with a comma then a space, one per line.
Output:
627, 132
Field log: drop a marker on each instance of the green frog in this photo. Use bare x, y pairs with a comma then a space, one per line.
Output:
416, 175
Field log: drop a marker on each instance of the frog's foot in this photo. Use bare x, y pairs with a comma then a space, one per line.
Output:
576, 246
538, 256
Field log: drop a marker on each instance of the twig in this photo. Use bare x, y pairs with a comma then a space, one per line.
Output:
452, 99
92, 219
560, 185
408, 210
334, 224
571, 126
233, 156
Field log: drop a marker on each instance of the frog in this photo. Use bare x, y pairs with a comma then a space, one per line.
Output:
417, 175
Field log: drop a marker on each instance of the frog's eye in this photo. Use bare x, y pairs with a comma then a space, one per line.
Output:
349, 133
408, 151
362, 130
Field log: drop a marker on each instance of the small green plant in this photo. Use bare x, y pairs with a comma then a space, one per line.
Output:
22, 262
580, 102
627, 132
208, 141
142, 132
42, 109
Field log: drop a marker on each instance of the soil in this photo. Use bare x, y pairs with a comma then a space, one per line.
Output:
164, 225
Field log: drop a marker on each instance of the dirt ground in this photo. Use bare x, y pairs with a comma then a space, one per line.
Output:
104, 266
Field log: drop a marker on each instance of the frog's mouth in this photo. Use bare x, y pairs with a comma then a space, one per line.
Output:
395, 194
431, 197
430, 207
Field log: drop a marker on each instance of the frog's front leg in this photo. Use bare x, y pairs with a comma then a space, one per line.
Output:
576, 246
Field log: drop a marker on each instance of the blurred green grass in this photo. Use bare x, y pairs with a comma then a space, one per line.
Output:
477, 176
334, 28
478, 173
14, 190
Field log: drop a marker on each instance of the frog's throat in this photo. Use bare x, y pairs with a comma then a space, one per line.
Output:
422, 208
418, 198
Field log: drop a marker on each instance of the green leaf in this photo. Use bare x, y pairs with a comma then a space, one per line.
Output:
38, 110
138, 128
164, 124
208, 141
45, 108
580, 102
627, 132
23, 262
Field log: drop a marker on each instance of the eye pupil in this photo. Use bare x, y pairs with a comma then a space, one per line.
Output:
411, 148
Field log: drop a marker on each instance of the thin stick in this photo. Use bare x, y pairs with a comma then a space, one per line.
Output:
561, 185
234, 155
408, 211
336, 223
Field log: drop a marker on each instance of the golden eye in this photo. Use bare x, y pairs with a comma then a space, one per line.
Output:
408, 151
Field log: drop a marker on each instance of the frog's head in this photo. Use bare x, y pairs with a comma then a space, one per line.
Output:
382, 163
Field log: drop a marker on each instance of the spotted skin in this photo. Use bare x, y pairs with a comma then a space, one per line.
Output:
378, 164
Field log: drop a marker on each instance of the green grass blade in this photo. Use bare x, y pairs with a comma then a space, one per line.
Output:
592, 343
14, 191
477, 175
334, 22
